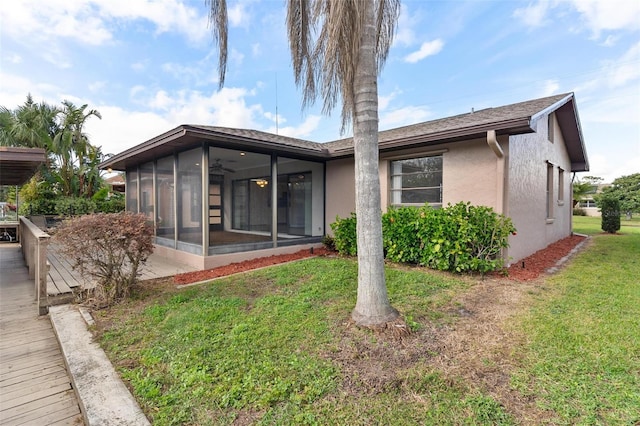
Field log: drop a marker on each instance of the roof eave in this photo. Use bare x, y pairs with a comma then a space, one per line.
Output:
510, 127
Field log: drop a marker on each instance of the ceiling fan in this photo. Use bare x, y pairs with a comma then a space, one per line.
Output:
218, 167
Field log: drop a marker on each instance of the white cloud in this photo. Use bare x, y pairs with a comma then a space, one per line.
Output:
602, 166
625, 69
97, 86
609, 41
237, 15
138, 66
90, 22
14, 90
533, 15
404, 116
122, 129
601, 15
428, 48
255, 49
306, 128
549, 87
384, 101
14, 58
405, 34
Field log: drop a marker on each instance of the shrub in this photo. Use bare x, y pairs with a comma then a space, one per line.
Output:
38, 206
344, 235
329, 243
458, 238
71, 206
577, 211
107, 202
610, 208
400, 234
110, 248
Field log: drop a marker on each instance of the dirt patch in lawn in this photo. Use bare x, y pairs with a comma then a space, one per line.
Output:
477, 347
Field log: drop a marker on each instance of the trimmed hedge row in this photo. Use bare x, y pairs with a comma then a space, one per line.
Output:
458, 238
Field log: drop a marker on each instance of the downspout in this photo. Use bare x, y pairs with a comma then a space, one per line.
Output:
492, 141
501, 171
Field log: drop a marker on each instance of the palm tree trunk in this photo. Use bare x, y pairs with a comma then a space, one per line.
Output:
372, 305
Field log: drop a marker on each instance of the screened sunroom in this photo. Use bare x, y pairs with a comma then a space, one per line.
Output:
213, 193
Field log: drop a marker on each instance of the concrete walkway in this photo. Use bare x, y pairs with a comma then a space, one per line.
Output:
35, 388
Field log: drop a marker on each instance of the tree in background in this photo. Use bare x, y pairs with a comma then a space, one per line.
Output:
610, 208
582, 188
72, 147
71, 169
338, 48
627, 190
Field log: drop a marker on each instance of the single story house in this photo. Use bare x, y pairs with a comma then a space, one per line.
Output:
217, 195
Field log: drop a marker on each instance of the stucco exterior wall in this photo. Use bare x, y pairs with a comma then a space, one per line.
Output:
471, 172
530, 155
340, 190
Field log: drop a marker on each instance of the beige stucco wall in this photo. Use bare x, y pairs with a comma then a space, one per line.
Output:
340, 190
527, 191
515, 185
471, 172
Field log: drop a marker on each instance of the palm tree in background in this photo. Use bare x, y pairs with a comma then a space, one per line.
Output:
338, 48
71, 146
72, 161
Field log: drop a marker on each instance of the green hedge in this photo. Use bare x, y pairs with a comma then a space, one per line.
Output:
458, 238
610, 208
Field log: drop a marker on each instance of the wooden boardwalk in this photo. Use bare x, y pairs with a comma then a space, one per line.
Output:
63, 279
35, 388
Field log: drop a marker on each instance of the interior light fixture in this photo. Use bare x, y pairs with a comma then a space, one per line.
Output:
261, 182
242, 154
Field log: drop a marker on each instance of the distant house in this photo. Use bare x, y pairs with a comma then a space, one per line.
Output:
588, 203
116, 183
217, 195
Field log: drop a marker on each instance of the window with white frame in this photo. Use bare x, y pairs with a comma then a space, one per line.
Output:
416, 181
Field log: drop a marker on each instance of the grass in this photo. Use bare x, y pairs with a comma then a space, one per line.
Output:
582, 359
276, 347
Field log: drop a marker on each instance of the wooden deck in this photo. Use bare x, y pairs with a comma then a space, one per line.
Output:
63, 280
34, 386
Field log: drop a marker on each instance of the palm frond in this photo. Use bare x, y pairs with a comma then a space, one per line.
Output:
218, 22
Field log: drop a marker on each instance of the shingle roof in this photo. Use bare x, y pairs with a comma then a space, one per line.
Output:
259, 136
508, 119
451, 126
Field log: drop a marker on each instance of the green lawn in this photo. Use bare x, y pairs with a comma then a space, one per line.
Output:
275, 347
582, 360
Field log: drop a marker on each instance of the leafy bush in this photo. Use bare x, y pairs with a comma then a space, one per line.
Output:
458, 238
610, 207
463, 237
110, 248
38, 206
328, 242
109, 202
344, 235
400, 234
72, 206
577, 211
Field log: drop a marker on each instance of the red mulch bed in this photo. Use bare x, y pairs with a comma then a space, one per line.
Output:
533, 266
247, 265
528, 268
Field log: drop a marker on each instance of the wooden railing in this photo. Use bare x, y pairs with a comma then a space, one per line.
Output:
34, 249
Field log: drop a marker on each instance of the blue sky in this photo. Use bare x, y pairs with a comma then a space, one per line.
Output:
149, 66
